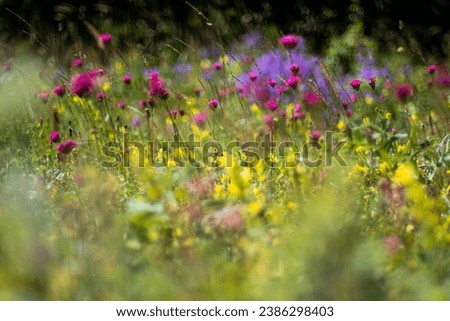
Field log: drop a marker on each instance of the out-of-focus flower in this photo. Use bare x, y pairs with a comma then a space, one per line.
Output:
272, 83
6, 67
312, 98
272, 105
82, 85
289, 41
127, 79
66, 147
431, 69
372, 82
59, 91
200, 118
105, 39
295, 69
392, 244
136, 121
269, 120
292, 81
77, 62
157, 86
54, 137
355, 83
121, 104
100, 96
43, 96
403, 92
217, 66
252, 75
213, 103
315, 135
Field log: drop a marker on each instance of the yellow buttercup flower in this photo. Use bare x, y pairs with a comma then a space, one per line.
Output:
405, 175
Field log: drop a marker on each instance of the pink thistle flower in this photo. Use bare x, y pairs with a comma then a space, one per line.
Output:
443, 80
355, 83
392, 244
82, 85
127, 79
100, 96
353, 98
403, 91
142, 103
59, 91
312, 98
393, 130
281, 90
121, 104
431, 69
372, 82
315, 135
269, 120
292, 81
43, 96
217, 66
272, 105
77, 62
213, 103
96, 72
66, 147
295, 69
297, 113
289, 41
228, 219
252, 75
105, 39
157, 86
200, 118
348, 112
54, 137
272, 83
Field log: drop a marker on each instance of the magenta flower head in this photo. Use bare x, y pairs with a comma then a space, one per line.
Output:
100, 96
66, 147
157, 86
105, 39
372, 82
213, 103
43, 96
295, 69
289, 41
348, 112
269, 120
121, 104
272, 83
83, 85
403, 91
217, 65
272, 105
297, 113
77, 62
59, 91
252, 75
355, 83
312, 98
200, 118
54, 137
315, 135
292, 81
431, 69
127, 79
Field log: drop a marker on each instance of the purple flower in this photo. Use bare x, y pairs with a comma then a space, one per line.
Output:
83, 85
289, 41
431, 69
312, 98
217, 66
372, 82
105, 39
157, 86
269, 121
292, 81
66, 147
213, 103
59, 91
127, 79
294, 68
77, 62
355, 83
315, 135
136, 121
403, 91
200, 118
252, 75
121, 104
100, 96
272, 83
54, 137
43, 96
272, 105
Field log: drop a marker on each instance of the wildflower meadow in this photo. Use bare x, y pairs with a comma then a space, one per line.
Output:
251, 169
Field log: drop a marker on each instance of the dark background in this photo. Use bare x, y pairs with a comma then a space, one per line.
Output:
422, 26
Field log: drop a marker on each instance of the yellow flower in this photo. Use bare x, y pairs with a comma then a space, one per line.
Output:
368, 99
405, 175
340, 125
388, 116
401, 148
106, 86
255, 207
